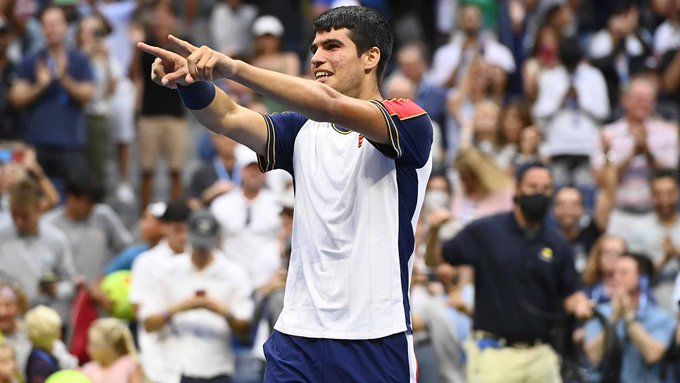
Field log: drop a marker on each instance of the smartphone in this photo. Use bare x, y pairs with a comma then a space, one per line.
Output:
9, 155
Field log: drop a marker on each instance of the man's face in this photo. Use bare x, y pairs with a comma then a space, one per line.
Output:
26, 219
224, 146
568, 208
411, 63
252, 179
54, 26
176, 233
665, 195
471, 20
335, 61
640, 100
626, 275
535, 181
9, 311
78, 208
151, 228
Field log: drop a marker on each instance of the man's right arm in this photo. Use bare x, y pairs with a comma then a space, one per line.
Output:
24, 94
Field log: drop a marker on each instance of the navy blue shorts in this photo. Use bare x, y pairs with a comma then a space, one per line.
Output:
299, 359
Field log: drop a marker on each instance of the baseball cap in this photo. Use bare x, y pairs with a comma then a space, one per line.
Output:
157, 209
245, 156
204, 230
267, 25
177, 211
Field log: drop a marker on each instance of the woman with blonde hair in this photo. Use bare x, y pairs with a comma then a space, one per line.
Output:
598, 274
481, 187
9, 371
113, 353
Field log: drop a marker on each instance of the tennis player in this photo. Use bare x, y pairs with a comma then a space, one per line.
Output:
360, 165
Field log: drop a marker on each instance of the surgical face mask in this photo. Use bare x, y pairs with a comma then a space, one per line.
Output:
436, 199
534, 207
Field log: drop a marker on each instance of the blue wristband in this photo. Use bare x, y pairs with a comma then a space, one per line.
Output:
197, 95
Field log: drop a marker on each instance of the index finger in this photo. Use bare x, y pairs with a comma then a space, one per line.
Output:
156, 51
186, 47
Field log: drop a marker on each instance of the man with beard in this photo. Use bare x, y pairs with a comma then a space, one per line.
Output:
523, 272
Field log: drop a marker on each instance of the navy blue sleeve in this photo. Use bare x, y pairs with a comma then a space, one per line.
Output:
26, 69
568, 277
410, 132
282, 129
80, 68
461, 249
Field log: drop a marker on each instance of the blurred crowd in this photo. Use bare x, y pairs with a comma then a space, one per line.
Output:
106, 270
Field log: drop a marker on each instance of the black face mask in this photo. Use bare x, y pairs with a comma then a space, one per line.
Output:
534, 207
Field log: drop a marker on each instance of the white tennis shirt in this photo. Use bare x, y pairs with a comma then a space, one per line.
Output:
356, 208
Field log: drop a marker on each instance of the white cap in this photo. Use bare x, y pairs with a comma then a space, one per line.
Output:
244, 156
267, 25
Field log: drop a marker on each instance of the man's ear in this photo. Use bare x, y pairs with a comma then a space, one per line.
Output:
371, 59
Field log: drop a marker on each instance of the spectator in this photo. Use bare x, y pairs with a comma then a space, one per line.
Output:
667, 35
622, 50
448, 328
24, 165
9, 117
217, 177
598, 275
483, 188
35, 254
52, 88
147, 272
452, 61
162, 125
580, 230
545, 57
642, 327
412, 60
530, 147
9, 371
657, 235
91, 33
572, 100
269, 54
124, 33
483, 132
49, 354
151, 231
205, 294
113, 354
84, 216
640, 143
230, 25
249, 219
513, 120
13, 306
521, 268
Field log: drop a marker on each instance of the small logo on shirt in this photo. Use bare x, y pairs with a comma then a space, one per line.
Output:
546, 254
361, 140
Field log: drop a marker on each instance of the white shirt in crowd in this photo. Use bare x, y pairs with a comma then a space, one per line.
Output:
148, 271
451, 57
230, 28
571, 129
667, 37
250, 232
202, 345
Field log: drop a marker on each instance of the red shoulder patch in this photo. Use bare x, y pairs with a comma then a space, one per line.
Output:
403, 108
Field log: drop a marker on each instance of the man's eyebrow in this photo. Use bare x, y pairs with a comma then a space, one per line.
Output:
325, 42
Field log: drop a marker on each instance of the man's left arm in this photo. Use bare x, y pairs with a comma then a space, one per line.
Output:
80, 87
